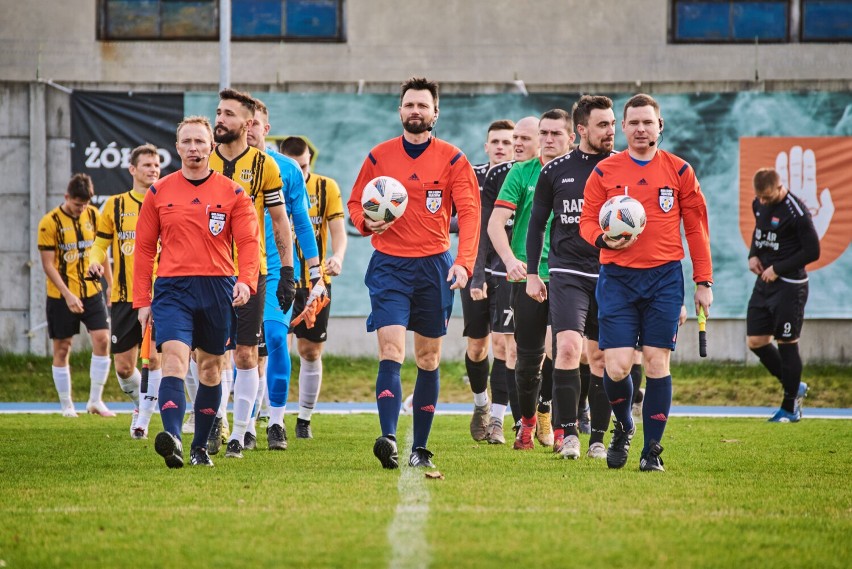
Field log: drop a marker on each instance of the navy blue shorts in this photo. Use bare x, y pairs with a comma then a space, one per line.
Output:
639, 305
194, 310
411, 292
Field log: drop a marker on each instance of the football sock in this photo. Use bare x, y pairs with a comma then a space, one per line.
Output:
389, 395
770, 357
498, 411
98, 373
499, 389
585, 374
791, 374
148, 401
566, 385
62, 381
245, 392
655, 408
278, 366
191, 381
226, 380
423, 405
130, 385
477, 373
310, 382
600, 409
172, 404
207, 400
545, 393
261, 392
620, 395
276, 415
512, 388
636, 378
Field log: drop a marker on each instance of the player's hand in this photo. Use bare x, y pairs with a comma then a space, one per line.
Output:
516, 270
769, 275
377, 227
703, 299
798, 174
479, 293
333, 265
619, 244
144, 316
286, 291
682, 318
317, 291
75, 305
242, 293
536, 289
457, 277
755, 266
95, 269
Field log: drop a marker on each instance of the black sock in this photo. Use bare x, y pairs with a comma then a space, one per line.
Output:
791, 374
499, 389
770, 357
477, 373
528, 390
600, 409
566, 392
514, 400
636, 378
545, 395
585, 373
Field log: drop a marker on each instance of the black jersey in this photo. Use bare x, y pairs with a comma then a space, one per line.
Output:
480, 170
488, 262
784, 237
559, 192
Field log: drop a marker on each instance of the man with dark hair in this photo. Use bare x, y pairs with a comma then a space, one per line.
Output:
65, 238
117, 230
260, 177
783, 243
574, 267
640, 284
411, 274
532, 323
477, 306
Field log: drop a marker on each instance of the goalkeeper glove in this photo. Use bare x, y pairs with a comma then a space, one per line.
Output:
286, 291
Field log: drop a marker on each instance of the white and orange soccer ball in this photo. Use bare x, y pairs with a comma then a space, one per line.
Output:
384, 199
622, 217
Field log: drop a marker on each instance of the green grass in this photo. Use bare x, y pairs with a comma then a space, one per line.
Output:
28, 378
737, 493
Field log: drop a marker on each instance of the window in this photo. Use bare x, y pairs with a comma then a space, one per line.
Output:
726, 21
262, 20
826, 20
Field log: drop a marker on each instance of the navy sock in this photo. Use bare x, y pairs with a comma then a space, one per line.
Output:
770, 357
425, 398
477, 373
600, 409
172, 404
636, 378
207, 402
655, 408
389, 395
499, 388
585, 378
791, 374
620, 395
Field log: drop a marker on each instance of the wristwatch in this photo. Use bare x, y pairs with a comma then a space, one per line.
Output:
708, 284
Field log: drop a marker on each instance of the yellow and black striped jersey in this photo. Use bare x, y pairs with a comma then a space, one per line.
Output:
71, 239
324, 205
259, 176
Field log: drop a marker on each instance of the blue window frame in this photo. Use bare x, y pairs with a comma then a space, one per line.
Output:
730, 21
826, 20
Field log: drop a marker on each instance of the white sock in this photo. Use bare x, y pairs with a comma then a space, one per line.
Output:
62, 381
148, 401
98, 373
498, 411
130, 385
310, 381
245, 392
265, 404
191, 381
480, 399
227, 380
261, 389
276, 415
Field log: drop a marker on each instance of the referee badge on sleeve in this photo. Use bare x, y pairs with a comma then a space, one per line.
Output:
216, 222
666, 199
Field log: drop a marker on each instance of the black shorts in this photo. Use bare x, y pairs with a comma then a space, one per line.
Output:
502, 314
477, 314
573, 305
247, 326
531, 319
125, 327
777, 309
62, 323
319, 333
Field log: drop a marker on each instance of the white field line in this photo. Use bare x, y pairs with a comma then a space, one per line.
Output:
407, 532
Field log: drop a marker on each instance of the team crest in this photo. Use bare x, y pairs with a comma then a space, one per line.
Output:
216, 222
433, 200
245, 176
666, 199
313, 199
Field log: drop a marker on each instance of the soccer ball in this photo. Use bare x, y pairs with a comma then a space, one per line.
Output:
622, 217
384, 199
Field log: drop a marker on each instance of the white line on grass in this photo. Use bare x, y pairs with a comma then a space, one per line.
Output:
407, 532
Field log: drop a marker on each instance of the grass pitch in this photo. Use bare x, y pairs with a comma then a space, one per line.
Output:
737, 493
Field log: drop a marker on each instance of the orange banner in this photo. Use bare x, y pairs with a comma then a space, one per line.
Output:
817, 170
